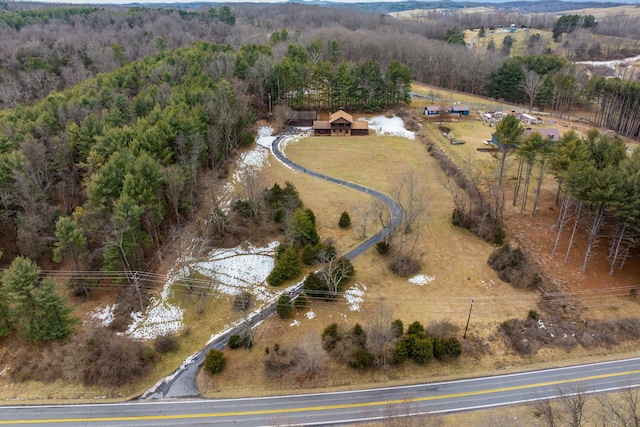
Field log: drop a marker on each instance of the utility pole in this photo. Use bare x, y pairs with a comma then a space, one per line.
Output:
464, 337
137, 285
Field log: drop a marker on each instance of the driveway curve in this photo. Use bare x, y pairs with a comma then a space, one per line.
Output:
394, 208
182, 383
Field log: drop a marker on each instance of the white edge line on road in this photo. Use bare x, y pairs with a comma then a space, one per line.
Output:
405, 387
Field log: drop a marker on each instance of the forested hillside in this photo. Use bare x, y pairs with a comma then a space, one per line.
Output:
137, 103
118, 157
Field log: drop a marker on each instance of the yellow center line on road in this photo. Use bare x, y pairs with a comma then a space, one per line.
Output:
319, 408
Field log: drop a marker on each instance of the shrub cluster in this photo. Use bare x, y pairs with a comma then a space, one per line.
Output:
420, 347
348, 346
114, 360
351, 346
404, 266
240, 341
282, 201
287, 266
513, 267
478, 217
165, 344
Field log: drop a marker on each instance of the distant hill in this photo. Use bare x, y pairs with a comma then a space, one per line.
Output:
520, 6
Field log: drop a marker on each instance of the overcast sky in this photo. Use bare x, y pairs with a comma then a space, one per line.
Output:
190, 1
94, 2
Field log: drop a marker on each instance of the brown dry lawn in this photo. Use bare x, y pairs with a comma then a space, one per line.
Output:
454, 257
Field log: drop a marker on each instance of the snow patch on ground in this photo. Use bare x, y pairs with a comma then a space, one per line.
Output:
611, 64
310, 314
421, 279
265, 137
355, 296
103, 315
239, 269
301, 132
255, 159
161, 318
232, 271
392, 126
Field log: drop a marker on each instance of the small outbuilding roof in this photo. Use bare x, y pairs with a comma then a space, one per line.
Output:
458, 108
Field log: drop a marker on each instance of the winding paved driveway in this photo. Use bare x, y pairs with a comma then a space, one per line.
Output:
394, 209
182, 383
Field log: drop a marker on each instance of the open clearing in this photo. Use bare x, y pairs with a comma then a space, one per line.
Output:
455, 259
454, 270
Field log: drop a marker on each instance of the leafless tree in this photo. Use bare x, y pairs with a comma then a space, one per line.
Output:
572, 402
334, 271
410, 197
621, 409
546, 412
400, 415
532, 85
363, 213
381, 339
253, 189
310, 358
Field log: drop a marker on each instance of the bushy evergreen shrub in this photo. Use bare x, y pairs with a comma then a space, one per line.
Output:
284, 308
235, 342
345, 220
422, 350
287, 267
362, 359
400, 352
415, 328
330, 336
215, 361
383, 247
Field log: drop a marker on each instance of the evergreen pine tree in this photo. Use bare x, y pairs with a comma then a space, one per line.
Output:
345, 220
6, 324
40, 313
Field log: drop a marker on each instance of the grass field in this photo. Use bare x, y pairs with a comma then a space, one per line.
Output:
458, 267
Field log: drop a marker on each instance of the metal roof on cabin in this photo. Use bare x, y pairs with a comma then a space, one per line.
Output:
360, 125
321, 124
341, 114
305, 115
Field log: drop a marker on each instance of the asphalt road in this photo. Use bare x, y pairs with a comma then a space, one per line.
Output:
348, 407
